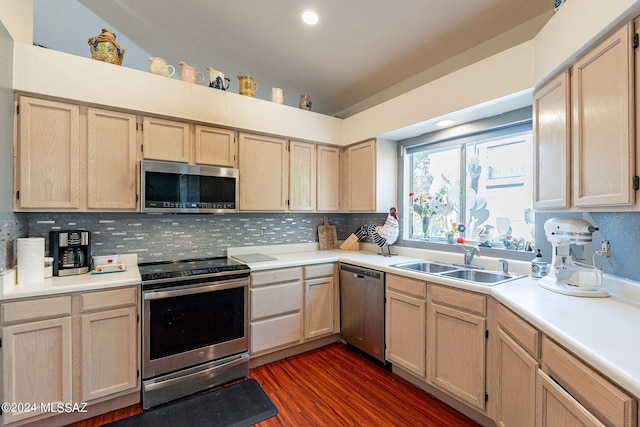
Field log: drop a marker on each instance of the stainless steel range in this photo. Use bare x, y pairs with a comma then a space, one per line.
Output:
194, 326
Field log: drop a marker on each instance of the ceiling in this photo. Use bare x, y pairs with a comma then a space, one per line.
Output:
362, 52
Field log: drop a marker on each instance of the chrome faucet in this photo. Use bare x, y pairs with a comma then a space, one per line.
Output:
505, 265
469, 254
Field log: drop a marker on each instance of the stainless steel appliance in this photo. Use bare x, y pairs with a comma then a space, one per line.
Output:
181, 188
194, 326
71, 251
362, 309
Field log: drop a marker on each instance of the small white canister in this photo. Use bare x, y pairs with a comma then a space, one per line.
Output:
538, 266
30, 260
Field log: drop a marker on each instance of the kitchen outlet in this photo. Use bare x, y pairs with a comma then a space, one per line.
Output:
605, 250
262, 229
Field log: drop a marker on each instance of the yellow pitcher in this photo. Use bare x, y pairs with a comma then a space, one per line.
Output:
247, 86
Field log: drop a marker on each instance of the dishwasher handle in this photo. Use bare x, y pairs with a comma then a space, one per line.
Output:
361, 273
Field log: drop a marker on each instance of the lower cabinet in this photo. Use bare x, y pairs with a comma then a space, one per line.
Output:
292, 305
45, 341
405, 323
456, 343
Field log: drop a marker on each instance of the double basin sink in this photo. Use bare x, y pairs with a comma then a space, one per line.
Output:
452, 271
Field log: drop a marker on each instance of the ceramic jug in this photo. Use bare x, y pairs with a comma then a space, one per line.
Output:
160, 67
247, 86
305, 102
189, 74
105, 48
276, 95
217, 80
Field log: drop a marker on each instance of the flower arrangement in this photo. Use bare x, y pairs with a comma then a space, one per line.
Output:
428, 206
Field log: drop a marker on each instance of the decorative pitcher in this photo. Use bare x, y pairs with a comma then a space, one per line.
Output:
247, 86
189, 74
276, 95
105, 48
160, 67
217, 80
305, 102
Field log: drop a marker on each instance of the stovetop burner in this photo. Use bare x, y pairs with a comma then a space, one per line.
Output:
170, 271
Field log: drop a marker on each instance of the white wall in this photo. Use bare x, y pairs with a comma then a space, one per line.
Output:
17, 18
6, 122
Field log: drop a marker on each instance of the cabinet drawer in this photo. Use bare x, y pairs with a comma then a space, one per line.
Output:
523, 333
468, 301
608, 402
36, 309
407, 286
107, 299
272, 333
319, 270
261, 278
276, 299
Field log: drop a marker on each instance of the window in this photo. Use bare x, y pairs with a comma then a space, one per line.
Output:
477, 187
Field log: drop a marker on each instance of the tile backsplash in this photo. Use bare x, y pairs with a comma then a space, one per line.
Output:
168, 237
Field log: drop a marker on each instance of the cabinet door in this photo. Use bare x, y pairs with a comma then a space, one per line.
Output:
361, 176
603, 125
275, 332
302, 176
552, 136
318, 307
36, 364
109, 352
111, 160
555, 407
456, 353
405, 332
516, 399
328, 188
215, 146
263, 173
47, 147
165, 140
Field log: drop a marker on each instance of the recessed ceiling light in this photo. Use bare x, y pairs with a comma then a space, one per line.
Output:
445, 123
310, 17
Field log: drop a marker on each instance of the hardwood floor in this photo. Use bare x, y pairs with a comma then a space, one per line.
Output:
336, 386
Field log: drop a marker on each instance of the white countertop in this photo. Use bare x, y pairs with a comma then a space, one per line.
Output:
603, 332
76, 283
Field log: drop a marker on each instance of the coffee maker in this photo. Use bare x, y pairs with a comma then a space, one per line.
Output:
71, 252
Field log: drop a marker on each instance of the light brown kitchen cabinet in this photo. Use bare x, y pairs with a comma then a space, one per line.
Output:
456, 343
111, 160
328, 179
302, 176
602, 97
82, 347
167, 140
109, 337
215, 146
370, 176
319, 300
517, 354
589, 391
36, 354
264, 173
47, 171
276, 309
552, 138
405, 323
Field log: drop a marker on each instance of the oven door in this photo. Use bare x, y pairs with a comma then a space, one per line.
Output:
188, 325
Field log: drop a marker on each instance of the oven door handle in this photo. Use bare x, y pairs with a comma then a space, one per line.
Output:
151, 295
207, 373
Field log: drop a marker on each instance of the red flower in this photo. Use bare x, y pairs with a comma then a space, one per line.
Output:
412, 194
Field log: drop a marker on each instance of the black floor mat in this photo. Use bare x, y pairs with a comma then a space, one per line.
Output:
239, 405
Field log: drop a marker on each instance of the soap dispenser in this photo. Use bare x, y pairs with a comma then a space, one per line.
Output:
538, 266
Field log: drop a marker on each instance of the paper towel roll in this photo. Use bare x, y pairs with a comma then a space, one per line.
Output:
30, 260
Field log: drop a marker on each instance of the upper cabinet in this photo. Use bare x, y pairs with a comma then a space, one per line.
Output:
584, 149
302, 176
51, 170
370, 176
328, 179
47, 170
165, 140
215, 146
263, 173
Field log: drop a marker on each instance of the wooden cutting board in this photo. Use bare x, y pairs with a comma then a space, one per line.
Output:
327, 236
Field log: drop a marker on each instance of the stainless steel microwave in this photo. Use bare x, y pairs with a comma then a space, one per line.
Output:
180, 188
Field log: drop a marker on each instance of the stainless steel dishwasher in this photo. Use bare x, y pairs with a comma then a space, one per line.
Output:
362, 309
